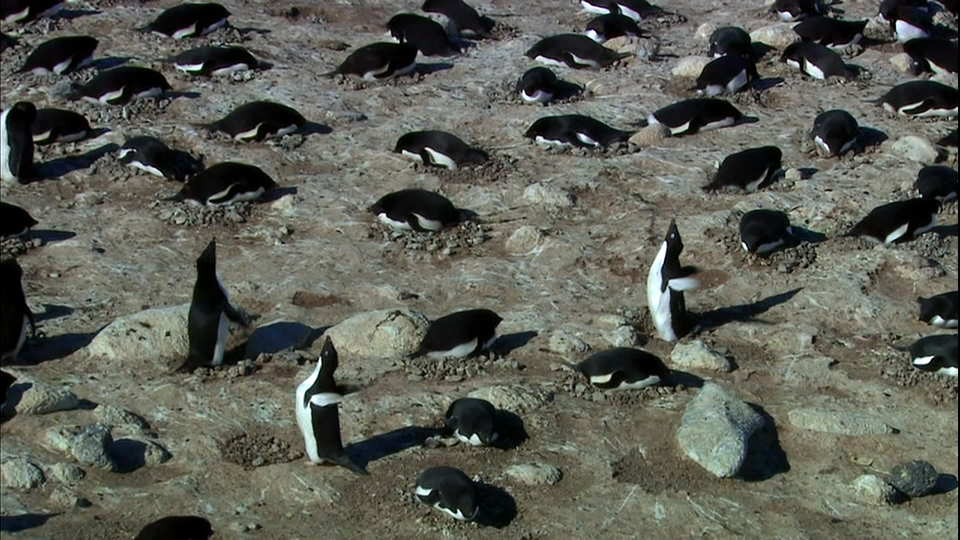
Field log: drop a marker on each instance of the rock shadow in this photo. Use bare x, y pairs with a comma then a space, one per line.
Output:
497, 507
52, 311
742, 313
24, 522
946, 483
314, 128
110, 62
506, 344
129, 454
386, 444
60, 167
278, 193
70, 14
765, 456
688, 380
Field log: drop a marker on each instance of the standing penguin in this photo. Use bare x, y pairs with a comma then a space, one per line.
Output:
15, 314
209, 314
665, 286
16, 142
318, 415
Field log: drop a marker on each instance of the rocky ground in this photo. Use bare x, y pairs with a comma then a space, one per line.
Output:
789, 381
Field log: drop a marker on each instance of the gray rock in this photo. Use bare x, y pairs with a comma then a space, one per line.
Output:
704, 31
524, 240
623, 336
133, 453
91, 447
42, 398
639, 47
650, 135
873, 490
877, 30
516, 398
778, 36
691, 66
565, 343
20, 473
534, 474
914, 478
697, 356
547, 196
846, 422
383, 334
915, 148
59, 438
67, 474
155, 337
117, 417
901, 62
61, 497
715, 430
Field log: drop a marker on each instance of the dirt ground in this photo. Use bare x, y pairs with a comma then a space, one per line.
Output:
810, 327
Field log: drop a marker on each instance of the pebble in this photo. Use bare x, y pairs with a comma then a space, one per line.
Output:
650, 135
20, 473
117, 417
91, 447
873, 490
778, 36
534, 474
64, 498
42, 398
915, 148
623, 336
914, 478
67, 474
563, 342
697, 355
547, 196
524, 240
690, 67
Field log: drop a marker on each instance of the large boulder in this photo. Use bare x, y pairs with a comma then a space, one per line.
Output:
381, 335
715, 430
156, 338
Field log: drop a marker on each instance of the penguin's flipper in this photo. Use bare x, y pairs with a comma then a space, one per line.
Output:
683, 284
235, 315
922, 107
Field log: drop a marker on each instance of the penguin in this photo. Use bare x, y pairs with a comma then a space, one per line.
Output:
623, 368
60, 55
666, 283
835, 132
938, 56
427, 35
460, 334
16, 142
24, 11
6, 42
888, 8
464, 18
151, 155
177, 527
940, 310
748, 170
210, 314
473, 421
817, 61
416, 210
14, 221
575, 130
950, 139
15, 314
225, 183
635, 9
318, 414
258, 120
937, 182
439, 149
189, 20
726, 75
911, 23
830, 32
764, 231
574, 51
692, 116
449, 490
921, 99
58, 126
6, 381
214, 61
378, 61
797, 10
898, 221
730, 40
538, 85
121, 85
935, 354
614, 25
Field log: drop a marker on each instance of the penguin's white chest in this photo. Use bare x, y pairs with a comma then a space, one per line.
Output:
305, 423
5, 159
659, 300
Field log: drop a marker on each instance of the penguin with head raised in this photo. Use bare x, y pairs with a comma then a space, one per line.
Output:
623, 368
934, 354
940, 310
460, 334
15, 314
449, 490
666, 284
748, 170
16, 142
473, 421
318, 415
898, 222
14, 221
177, 527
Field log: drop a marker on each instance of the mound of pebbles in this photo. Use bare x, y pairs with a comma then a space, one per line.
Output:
193, 215
257, 448
785, 260
576, 384
14, 247
234, 371
494, 169
466, 235
505, 91
895, 366
454, 370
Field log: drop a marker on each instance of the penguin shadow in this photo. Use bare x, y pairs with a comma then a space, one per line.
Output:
314, 128
767, 83
250, 30
23, 522
45, 349
801, 235
741, 313
48, 236
173, 94
688, 380
872, 137
71, 14
387, 444
946, 483
566, 90
60, 167
53, 311
430, 68
497, 507
946, 231
759, 50
110, 62
506, 344
511, 431
765, 456
278, 193
280, 336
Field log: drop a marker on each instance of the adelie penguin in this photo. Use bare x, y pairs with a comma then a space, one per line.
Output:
635, 9
6, 42
887, 11
940, 310
378, 61
541, 85
666, 284
214, 61
574, 51
937, 182
623, 368
225, 183
180, 527
764, 231
921, 99
318, 414
416, 210
797, 10
934, 354
606, 27
898, 222
817, 61
835, 132
439, 149
259, 120
460, 335
934, 55
473, 421
121, 85
575, 130
730, 40
695, 115
210, 314
830, 32
58, 126
14, 221
16, 142
748, 170
726, 75
189, 20
60, 55
24, 11
152, 156
15, 314
449, 490
467, 22
423, 33
911, 23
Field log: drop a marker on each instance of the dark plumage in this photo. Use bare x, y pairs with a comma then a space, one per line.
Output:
727, 74
16, 161
177, 528
835, 132
614, 25
816, 61
464, 18
24, 11
575, 130
121, 85
460, 334
60, 55
151, 155
189, 20
796, 10
214, 61
58, 126
730, 40
898, 222
831, 32
950, 139
416, 209
933, 55
623, 368
439, 149
378, 61
226, 183
692, 116
763, 231
449, 490
473, 421
423, 33
14, 221
937, 182
15, 314
573, 50
259, 120
748, 170
940, 310
935, 354
920, 98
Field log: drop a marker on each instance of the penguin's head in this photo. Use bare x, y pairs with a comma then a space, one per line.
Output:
466, 502
208, 258
26, 109
328, 355
673, 237
474, 156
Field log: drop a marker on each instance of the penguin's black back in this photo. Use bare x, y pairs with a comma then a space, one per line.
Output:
462, 15
50, 53
269, 116
562, 47
442, 142
829, 31
937, 182
19, 119
427, 35
826, 60
226, 180
376, 56
469, 416
215, 58
133, 79
730, 40
887, 218
459, 328
927, 52
184, 15
402, 205
58, 123
943, 305
13, 305
625, 363
741, 168
566, 127
698, 112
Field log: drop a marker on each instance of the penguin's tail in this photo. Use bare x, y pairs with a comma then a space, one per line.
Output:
711, 187
878, 101
331, 74
179, 196
348, 463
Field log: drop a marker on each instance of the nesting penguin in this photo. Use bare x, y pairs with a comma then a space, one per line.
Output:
378, 61
179, 527
189, 20
764, 231
214, 61
575, 130
210, 314
695, 115
473, 421
727, 74
439, 149
835, 132
60, 55
318, 414
635, 9
796, 10
666, 284
465, 19
225, 183
15, 314
258, 120
830, 32
152, 156
730, 40
935, 55
541, 85
934, 354
574, 51
937, 182
427, 35
920, 98
460, 334
14, 221
24, 11
416, 210
909, 23
887, 10
58, 126
748, 170
817, 61
606, 27
121, 85
449, 490
898, 222
623, 368
940, 310
16, 142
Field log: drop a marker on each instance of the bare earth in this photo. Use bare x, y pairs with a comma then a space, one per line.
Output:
823, 315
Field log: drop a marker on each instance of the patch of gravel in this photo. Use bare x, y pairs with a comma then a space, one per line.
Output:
14, 247
895, 366
451, 241
257, 448
243, 368
495, 169
455, 370
193, 215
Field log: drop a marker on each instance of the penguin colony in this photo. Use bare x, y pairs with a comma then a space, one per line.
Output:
735, 69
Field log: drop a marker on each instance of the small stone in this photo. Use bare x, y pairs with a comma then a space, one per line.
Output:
650, 135
623, 336
696, 355
91, 447
59, 438
67, 474
547, 196
915, 148
793, 175
871, 489
117, 417
516, 398
847, 422
41, 398
901, 61
62, 497
534, 474
20, 473
914, 479
565, 343
690, 67
778, 36
524, 240
704, 31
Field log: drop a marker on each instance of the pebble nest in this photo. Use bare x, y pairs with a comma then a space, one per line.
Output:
14, 247
254, 449
494, 169
235, 371
506, 92
453, 370
785, 260
896, 366
194, 215
466, 235
575, 384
